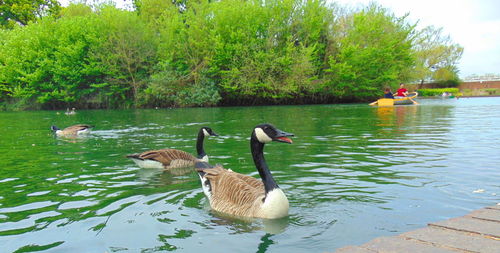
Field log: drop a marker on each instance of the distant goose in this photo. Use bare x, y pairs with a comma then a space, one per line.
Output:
75, 130
173, 158
72, 112
241, 195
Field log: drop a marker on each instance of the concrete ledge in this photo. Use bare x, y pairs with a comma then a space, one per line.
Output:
478, 231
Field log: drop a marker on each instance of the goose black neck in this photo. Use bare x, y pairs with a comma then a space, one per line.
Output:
199, 144
260, 162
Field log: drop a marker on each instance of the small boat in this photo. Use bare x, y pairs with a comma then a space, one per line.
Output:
408, 100
447, 95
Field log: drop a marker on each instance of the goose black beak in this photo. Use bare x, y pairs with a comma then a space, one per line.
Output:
283, 137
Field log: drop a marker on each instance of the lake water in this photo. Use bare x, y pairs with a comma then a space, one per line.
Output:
353, 173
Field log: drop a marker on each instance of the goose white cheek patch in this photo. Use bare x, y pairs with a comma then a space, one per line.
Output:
262, 136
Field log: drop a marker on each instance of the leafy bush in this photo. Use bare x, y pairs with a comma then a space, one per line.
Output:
97, 59
160, 89
198, 95
492, 91
125, 55
166, 89
48, 62
205, 53
375, 48
437, 92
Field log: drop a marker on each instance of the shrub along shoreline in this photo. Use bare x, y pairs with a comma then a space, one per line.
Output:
215, 53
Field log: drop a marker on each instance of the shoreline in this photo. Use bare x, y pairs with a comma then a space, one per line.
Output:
223, 106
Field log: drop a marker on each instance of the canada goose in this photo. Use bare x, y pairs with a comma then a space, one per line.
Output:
72, 112
241, 195
75, 130
173, 158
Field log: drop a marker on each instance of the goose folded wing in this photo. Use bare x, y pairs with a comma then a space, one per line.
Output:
250, 181
166, 156
76, 128
232, 192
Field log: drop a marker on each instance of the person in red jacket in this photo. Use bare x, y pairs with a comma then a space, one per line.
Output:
402, 92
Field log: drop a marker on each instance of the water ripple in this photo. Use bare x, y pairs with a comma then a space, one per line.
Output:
350, 167
26, 207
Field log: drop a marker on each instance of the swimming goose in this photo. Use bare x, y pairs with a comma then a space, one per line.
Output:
241, 195
75, 130
72, 112
173, 158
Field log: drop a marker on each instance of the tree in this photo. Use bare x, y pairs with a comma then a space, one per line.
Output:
374, 52
126, 54
151, 10
24, 11
47, 62
437, 56
199, 53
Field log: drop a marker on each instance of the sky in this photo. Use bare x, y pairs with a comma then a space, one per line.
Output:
473, 24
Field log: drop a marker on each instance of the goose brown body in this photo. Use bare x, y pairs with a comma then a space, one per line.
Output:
169, 158
241, 195
72, 130
173, 158
234, 193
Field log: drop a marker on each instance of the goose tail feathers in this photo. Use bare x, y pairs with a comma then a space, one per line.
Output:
135, 156
201, 166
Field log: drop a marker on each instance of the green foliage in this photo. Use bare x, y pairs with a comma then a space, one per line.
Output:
23, 11
375, 48
436, 92
492, 91
151, 10
125, 55
161, 88
447, 77
203, 94
82, 59
206, 53
48, 61
437, 57
448, 83
249, 49
75, 10
166, 89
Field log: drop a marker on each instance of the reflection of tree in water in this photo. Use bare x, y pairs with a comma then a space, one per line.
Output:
265, 242
405, 134
412, 119
342, 156
346, 152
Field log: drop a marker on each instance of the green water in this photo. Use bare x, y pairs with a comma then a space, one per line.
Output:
353, 173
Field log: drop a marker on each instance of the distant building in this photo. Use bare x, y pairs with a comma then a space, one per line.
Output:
481, 78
